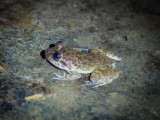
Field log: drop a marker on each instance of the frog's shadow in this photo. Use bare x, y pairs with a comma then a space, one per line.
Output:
42, 54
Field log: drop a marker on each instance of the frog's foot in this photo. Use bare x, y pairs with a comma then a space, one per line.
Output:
93, 85
58, 76
71, 76
106, 53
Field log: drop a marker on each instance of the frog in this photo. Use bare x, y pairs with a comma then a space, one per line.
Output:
99, 63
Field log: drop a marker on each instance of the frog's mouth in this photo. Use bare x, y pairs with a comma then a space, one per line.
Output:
59, 64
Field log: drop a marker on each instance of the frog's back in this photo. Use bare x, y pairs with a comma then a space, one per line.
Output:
85, 60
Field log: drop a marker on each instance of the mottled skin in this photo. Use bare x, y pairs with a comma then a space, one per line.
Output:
100, 63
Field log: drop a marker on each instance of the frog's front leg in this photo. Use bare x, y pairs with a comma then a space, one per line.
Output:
102, 75
106, 53
71, 76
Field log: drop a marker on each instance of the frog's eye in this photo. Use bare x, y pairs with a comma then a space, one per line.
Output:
56, 56
58, 42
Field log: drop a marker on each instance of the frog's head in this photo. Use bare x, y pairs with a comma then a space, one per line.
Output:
55, 55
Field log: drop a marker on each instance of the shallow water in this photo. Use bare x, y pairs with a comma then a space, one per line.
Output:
27, 90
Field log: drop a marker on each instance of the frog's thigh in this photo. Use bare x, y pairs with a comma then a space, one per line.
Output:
72, 76
104, 75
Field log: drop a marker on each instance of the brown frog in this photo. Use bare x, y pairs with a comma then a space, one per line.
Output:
99, 63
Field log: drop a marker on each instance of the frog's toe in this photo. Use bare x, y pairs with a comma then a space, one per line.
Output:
89, 83
57, 76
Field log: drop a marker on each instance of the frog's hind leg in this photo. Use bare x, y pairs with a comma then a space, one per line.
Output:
103, 75
106, 53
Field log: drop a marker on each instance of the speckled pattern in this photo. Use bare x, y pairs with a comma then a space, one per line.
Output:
100, 63
129, 28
